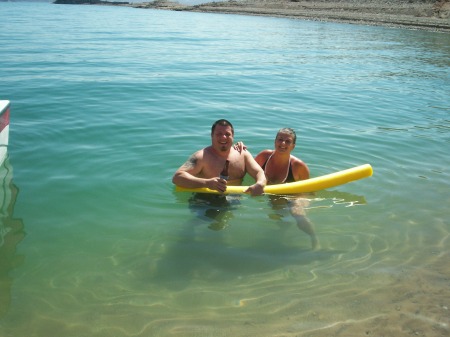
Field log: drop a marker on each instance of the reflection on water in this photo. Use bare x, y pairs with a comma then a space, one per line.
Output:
11, 233
337, 198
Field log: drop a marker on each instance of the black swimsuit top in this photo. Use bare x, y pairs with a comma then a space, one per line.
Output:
290, 176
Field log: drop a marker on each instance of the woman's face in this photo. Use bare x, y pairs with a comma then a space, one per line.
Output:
284, 142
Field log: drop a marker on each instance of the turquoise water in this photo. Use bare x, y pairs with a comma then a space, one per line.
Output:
106, 103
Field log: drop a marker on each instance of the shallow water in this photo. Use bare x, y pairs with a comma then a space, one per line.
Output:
108, 102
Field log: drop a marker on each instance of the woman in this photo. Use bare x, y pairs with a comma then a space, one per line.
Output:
280, 167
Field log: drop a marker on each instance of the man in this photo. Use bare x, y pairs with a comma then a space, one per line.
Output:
203, 168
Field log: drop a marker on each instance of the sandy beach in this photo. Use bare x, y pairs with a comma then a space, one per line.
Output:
413, 14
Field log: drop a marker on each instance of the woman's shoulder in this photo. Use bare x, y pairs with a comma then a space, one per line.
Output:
262, 157
264, 154
300, 168
297, 162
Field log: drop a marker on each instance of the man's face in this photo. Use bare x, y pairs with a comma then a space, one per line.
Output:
222, 138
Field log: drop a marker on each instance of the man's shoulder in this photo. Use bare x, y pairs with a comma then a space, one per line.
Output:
206, 151
207, 154
242, 154
203, 151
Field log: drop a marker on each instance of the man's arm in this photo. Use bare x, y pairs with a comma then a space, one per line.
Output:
257, 173
187, 175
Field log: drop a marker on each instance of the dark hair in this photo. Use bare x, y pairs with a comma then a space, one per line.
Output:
222, 122
288, 131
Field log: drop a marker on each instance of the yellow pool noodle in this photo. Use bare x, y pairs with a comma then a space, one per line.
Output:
302, 186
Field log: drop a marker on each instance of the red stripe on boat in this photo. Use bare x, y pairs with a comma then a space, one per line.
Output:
4, 120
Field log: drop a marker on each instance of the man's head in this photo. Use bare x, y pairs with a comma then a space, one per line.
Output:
222, 135
222, 122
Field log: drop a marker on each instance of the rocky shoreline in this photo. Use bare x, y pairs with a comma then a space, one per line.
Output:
413, 14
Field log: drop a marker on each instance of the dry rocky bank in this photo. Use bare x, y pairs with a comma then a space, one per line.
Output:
414, 14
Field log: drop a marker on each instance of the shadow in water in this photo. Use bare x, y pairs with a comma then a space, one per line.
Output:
202, 251
186, 261
11, 233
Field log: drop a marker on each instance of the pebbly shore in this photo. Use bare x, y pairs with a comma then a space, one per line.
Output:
413, 14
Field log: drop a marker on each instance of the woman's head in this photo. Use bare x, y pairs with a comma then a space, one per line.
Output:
287, 132
285, 140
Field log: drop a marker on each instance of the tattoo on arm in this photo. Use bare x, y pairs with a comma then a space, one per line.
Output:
190, 163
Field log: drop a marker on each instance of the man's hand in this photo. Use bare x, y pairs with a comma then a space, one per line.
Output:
255, 189
217, 184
